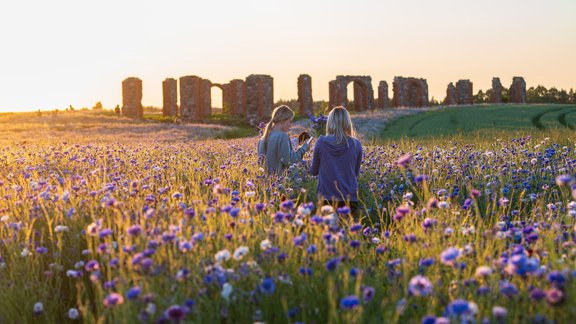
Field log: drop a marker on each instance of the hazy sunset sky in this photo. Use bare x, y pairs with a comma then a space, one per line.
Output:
59, 53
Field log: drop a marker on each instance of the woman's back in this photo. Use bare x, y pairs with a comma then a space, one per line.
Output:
337, 166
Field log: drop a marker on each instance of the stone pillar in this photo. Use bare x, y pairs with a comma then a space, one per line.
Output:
205, 98
237, 90
383, 101
496, 95
170, 97
450, 95
259, 95
132, 98
195, 100
410, 92
305, 95
464, 92
517, 90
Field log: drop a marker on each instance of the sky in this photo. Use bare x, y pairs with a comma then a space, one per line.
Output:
58, 53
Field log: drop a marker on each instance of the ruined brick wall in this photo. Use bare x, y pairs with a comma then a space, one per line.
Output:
496, 93
195, 100
305, 95
170, 97
410, 92
237, 97
363, 92
132, 98
517, 90
383, 101
464, 92
259, 95
450, 95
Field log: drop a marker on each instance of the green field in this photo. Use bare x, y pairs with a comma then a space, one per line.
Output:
463, 120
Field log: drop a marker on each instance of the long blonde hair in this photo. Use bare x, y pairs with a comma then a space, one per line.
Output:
340, 125
280, 114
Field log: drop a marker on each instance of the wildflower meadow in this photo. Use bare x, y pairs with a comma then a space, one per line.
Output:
450, 230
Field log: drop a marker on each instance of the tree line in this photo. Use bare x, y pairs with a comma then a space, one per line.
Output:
537, 94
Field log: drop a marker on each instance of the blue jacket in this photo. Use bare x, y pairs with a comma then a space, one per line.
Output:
337, 167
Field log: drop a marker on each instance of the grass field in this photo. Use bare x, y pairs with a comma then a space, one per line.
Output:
461, 120
120, 229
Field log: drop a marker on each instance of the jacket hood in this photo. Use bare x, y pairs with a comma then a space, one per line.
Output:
337, 149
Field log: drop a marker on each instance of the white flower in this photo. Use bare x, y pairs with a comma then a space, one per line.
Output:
249, 194
408, 196
61, 228
72, 274
443, 204
226, 291
223, 255
73, 313
265, 245
151, 308
240, 252
4, 218
38, 308
25, 252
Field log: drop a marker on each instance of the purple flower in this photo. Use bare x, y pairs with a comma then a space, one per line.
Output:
449, 256
175, 313
537, 294
133, 293
267, 286
135, 230
507, 289
368, 294
354, 244
404, 160
563, 180
420, 286
554, 296
349, 302
113, 299
458, 307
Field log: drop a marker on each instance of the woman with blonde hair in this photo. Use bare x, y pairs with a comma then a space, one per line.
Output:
336, 161
275, 144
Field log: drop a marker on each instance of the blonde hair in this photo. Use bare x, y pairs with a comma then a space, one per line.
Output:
339, 124
280, 114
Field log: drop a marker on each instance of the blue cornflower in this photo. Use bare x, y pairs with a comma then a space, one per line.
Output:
267, 286
349, 302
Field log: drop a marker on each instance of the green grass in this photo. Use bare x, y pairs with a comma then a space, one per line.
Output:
452, 121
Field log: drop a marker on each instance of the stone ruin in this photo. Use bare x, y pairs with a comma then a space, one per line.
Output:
383, 101
239, 98
132, 98
450, 95
410, 92
170, 97
461, 94
496, 92
305, 95
517, 92
254, 97
464, 92
259, 95
363, 92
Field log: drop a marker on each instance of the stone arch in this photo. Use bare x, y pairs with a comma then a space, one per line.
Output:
363, 92
410, 92
223, 89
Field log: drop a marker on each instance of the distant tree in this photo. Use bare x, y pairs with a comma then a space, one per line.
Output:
98, 106
71, 108
117, 110
480, 97
563, 97
505, 95
572, 96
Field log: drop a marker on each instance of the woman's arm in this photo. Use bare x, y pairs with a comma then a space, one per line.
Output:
287, 155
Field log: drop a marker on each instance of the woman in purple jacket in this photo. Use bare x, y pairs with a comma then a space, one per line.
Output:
336, 161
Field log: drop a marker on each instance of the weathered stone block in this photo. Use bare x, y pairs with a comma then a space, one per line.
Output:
170, 97
305, 94
410, 92
132, 98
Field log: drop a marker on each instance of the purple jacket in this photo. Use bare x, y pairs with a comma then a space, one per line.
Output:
337, 167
